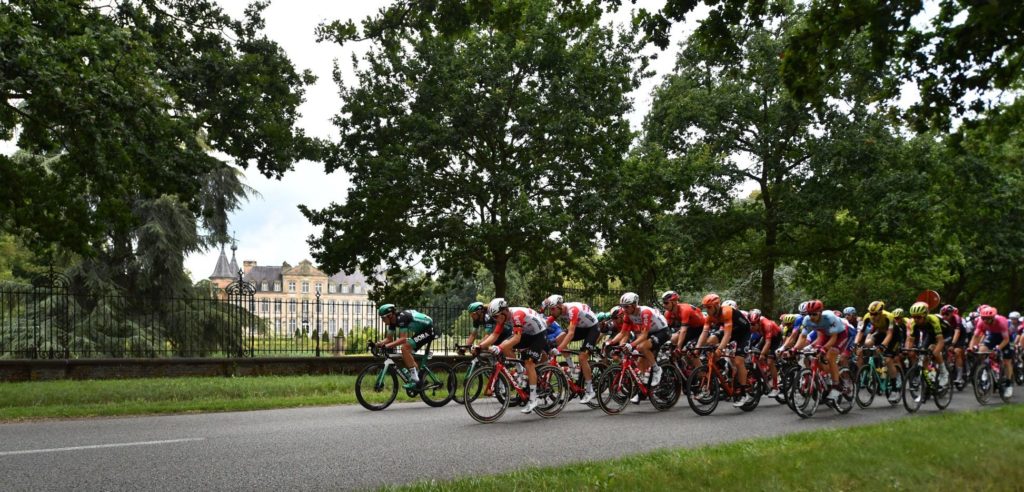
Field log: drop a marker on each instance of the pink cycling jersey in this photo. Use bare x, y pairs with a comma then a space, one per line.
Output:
999, 326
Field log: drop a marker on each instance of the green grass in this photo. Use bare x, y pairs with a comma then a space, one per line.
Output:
955, 451
59, 399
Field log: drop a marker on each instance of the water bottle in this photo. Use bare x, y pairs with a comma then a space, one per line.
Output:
405, 373
575, 373
521, 379
931, 374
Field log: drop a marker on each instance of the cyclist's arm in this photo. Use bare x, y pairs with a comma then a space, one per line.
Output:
888, 337
727, 333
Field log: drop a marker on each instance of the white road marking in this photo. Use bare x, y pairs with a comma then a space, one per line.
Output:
100, 446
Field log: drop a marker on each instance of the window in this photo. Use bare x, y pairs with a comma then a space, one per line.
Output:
277, 326
291, 306
319, 288
263, 286
291, 286
291, 325
358, 289
305, 287
344, 308
332, 327
277, 286
277, 306
305, 307
265, 306
330, 288
330, 307
344, 325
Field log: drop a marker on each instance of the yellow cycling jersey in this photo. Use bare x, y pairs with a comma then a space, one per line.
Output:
932, 320
880, 325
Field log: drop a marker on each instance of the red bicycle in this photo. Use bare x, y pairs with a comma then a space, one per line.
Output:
621, 382
491, 388
811, 387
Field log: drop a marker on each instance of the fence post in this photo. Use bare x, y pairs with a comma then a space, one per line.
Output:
316, 320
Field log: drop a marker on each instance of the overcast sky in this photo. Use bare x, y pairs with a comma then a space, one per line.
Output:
270, 229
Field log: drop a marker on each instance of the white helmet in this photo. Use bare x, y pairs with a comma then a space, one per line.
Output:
731, 303
1014, 315
553, 300
802, 309
629, 299
496, 306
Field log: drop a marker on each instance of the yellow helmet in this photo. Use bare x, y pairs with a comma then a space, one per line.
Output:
897, 313
788, 319
919, 309
876, 307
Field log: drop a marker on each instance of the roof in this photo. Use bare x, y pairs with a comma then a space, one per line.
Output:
356, 278
223, 268
267, 274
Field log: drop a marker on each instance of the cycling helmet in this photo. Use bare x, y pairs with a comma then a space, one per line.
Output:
988, 312
788, 319
1014, 315
973, 316
476, 306
731, 303
947, 310
876, 307
553, 300
711, 301
601, 317
754, 315
669, 295
629, 299
897, 313
385, 309
815, 306
919, 309
497, 305
614, 313
803, 308
850, 311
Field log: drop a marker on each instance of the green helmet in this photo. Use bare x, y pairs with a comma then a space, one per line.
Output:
603, 316
385, 309
897, 313
474, 307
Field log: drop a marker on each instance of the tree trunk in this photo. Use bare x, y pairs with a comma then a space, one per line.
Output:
1015, 288
952, 290
499, 266
646, 288
767, 301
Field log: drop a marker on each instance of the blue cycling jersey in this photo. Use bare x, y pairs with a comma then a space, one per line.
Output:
828, 322
553, 331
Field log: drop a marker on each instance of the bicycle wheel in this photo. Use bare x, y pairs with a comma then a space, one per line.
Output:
866, 386
493, 394
984, 383
943, 394
461, 370
376, 387
894, 388
804, 394
596, 370
786, 379
665, 395
755, 383
844, 402
1018, 369
703, 391
552, 391
438, 384
614, 390
914, 389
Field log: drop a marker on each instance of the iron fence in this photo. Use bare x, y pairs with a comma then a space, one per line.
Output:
50, 320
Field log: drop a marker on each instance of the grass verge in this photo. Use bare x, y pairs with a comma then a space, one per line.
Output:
62, 399
977, 450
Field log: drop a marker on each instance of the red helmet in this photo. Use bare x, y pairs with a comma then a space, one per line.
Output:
947, 310
815, 306
711, 301
987, 311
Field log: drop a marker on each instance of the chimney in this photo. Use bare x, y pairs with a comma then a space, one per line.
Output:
247, 265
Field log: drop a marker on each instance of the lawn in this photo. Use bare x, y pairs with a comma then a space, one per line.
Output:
44, 399
978, 450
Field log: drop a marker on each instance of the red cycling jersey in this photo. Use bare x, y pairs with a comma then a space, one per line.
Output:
767, 328
684, 314
646, 319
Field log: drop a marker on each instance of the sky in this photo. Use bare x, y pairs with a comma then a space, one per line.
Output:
270, 229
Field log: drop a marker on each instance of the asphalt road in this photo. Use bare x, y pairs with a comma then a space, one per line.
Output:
346, 447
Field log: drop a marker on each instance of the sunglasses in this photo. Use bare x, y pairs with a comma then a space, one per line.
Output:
918, 316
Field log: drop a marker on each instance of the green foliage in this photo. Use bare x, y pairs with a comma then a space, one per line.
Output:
481, 149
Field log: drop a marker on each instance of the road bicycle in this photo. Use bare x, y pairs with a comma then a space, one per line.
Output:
622, 381
988, 375
461, 370
574, 377
922, 382
873, 380
715, 380
492, 387
377, 384
812, 386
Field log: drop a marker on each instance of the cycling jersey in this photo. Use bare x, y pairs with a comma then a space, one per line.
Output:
998, 326
728, 317
525, 320
767, 329
487, 324
553, 330
884, 321
411, 321
684, 314
645, 319
828, 323
579, 313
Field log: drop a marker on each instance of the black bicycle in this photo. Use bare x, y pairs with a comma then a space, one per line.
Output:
377, 384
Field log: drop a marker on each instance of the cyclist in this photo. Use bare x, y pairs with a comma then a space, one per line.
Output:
481, 322
582, 326
528, 333
850, 314
1015, 326
771, 340
791, 330
831, 339
927, 330
996, 330
412, 330
1020, 333
651, 330
685, 317
951, 316
734, 328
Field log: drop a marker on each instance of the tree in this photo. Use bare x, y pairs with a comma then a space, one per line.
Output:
479, 149
807, 166
126, 101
